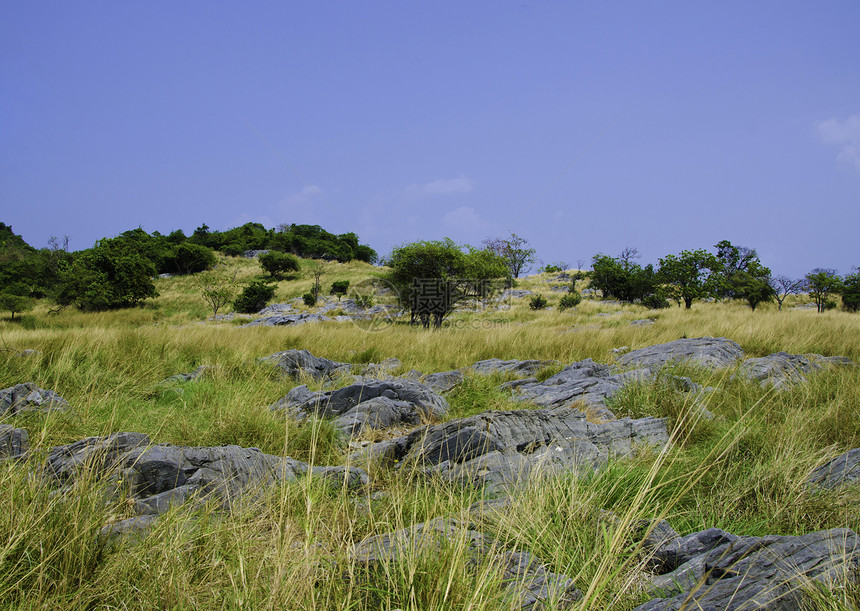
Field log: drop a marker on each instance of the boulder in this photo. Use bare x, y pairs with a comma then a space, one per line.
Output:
159, 476
442, 381
842, 470
28, 397
369, 403
275, 308
527, 582
712, 352
521, 368
782, 369
296, 363
13, 442
719, 570
497, 449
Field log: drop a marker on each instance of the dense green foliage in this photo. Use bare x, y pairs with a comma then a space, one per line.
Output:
432, 276
851, 291
254, 297
821, 284
110, 275
538, 302
622, 279
340, 288
306, 241
571, 300
277, 263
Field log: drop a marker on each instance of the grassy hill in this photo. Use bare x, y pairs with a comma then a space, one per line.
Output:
289, 548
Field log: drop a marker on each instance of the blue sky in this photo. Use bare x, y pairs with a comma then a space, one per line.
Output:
686, 122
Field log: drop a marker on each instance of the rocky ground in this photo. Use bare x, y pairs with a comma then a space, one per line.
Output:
564, 425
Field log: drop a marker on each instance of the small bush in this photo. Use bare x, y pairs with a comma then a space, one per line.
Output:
254, 297
538, 302
571, 300
277, 263
654, 302
310, 299
339, 288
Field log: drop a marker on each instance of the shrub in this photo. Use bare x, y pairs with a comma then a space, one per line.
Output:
254, 297
363, 301
571, 300
339, 288
654, 302
538, 302
276, 263
309, 299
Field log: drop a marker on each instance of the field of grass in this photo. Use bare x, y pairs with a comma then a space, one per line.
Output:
743, 472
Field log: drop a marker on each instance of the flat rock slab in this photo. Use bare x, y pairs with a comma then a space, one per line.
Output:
28, 397
526, 581
783, 369
498, 449
842, 470
369, 403
283, 320
159, 476
296, 363
719, 570
711, 352
584, 381
521, 368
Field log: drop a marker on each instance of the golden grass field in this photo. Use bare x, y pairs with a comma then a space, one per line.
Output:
290, 548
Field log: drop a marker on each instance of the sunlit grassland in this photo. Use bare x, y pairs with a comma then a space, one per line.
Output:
289, 548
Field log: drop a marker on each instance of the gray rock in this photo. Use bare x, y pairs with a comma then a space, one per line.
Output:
187, 377
276, 308
443, 381
705, 351
842, 470
13, 442
253, 254
296, 363
527, 582
782, 369
28, 397
524, 368
513, 294
758, 572
642, 322
368, 403
383, 369
497, 449
283, 320
137, 526
584, 381
157, 477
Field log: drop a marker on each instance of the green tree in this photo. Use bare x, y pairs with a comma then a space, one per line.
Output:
514, 250
277, 263
105, 277
821, 284
851, 291
621, 278
339, 288
217, 293
754, 285
735, 266
10, 302
432, 276
686, 275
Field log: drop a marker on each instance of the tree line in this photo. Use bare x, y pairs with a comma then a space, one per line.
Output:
118, 272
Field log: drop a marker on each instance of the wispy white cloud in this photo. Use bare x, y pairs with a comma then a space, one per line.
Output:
465, 221
846, 136
448, 186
